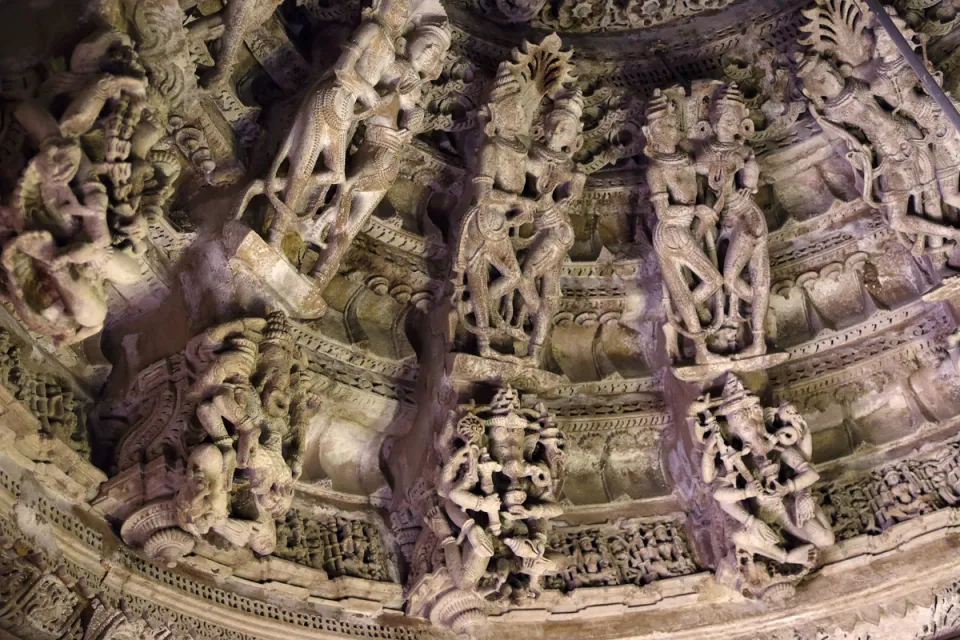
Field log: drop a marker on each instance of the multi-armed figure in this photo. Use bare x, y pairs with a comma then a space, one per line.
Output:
498, 486
500, 201
758, 463
76, 216
856, 78
253, 398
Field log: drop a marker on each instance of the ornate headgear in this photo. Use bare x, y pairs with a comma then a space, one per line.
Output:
731, 96
569, 103
431, 29
277, 331
735, 397
659, 106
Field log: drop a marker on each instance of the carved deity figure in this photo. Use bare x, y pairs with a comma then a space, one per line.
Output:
685, 234
502, 200
710, 237
375, 165
251, 397
497, 489
758, 465
732, 176
856, 79
327, 117
76, 220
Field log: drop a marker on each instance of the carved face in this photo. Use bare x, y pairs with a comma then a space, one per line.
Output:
426, 56
747, 425
508, 117
59, 163
729, 121
884, 45
276, 393
664, 132
822, 80
202, 500
563, 130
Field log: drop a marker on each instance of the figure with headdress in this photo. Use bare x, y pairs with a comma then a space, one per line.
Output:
732, 175
500, 201
685, 231
557, 184
326, 118
375, 165
758, 463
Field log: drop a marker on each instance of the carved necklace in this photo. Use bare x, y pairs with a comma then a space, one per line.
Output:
677, 157
542, 152
513, 144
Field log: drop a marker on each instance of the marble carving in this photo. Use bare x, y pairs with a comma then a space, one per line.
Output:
407, 319
757, 462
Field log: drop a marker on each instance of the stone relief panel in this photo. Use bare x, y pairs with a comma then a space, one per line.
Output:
211, 442
337, 545
627, 552
52, 400
487, 517
757, 463
869, 504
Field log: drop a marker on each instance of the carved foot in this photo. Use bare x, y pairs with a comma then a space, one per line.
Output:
758, 348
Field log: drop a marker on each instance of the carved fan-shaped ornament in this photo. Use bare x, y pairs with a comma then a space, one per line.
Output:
839, 29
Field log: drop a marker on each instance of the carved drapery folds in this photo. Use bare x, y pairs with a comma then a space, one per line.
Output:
710, 236
76, 218
907, 153
486, 527
519, 181
376, 84
212, 441
757, 463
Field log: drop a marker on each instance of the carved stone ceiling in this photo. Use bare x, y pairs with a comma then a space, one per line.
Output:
412, 319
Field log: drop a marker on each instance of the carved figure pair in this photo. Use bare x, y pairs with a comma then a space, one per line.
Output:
917, 163
701, 300
516, 183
